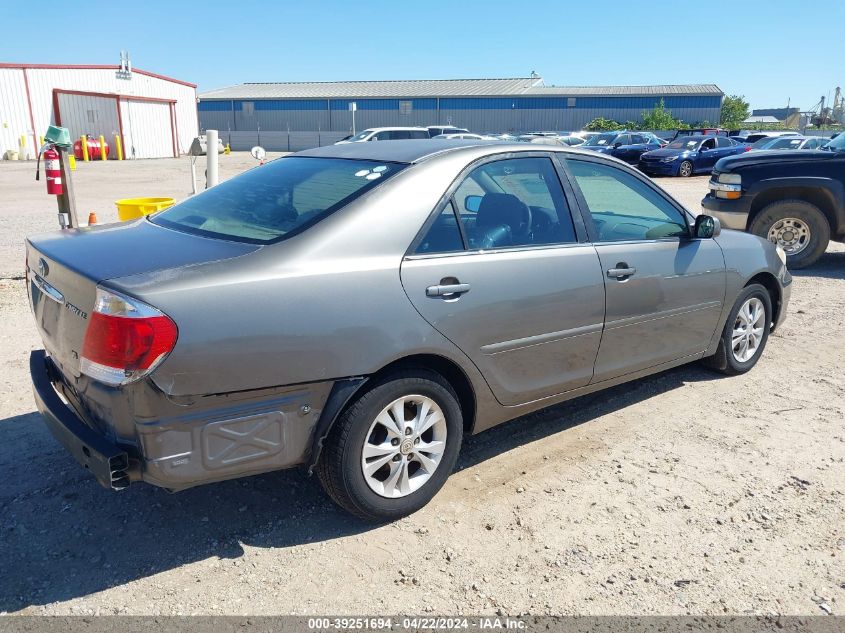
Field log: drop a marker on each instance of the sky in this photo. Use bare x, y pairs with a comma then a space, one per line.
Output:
766, 51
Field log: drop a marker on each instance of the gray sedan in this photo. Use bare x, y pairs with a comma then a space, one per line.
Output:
358, 309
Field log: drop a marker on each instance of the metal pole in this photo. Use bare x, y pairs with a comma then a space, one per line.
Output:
353, 122
67, 200
211, 158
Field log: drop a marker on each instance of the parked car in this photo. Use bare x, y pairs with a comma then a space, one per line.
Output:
349, 309
439, 130
701, 131
387, 134
689, 155
789, 142
627, 146
756, 136
794, 199
466, 136
572, 140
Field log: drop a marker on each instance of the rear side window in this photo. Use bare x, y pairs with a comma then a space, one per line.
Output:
279, 199
419, 134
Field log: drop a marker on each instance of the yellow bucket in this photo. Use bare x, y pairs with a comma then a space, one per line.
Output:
133, 208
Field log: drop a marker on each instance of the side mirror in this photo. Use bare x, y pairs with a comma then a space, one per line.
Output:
472, 203
617, 145
706, 226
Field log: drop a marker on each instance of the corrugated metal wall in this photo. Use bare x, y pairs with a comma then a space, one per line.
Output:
14, 115
479, 114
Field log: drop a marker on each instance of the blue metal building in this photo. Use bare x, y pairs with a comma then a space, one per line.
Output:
314, 113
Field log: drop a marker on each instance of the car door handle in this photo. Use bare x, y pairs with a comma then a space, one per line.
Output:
446, 290
622, 272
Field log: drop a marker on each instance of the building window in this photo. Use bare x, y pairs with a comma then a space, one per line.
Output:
93, 116
248, 108
406, 107
570, 102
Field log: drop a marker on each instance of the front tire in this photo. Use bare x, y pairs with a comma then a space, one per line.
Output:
685, 169
798, 227
745, 333
394, 447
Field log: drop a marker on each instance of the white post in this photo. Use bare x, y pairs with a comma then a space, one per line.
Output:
193, 160
353, 106
211, 158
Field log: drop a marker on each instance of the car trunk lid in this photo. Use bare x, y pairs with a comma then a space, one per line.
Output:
65, 267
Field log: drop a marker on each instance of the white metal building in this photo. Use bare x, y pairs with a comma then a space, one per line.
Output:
155, 116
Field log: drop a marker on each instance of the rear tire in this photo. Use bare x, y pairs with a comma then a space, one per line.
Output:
799, 227
357, 464
685, 169
745, 333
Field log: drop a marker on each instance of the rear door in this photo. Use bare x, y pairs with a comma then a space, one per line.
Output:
502, 272
664, 289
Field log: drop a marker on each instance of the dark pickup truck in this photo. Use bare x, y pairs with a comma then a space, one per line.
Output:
796, 199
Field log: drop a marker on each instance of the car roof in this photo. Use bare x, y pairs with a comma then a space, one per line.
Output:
394, 127
414, 151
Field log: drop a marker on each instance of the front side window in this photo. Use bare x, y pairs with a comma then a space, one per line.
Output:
284, 197
623, 207
508, 203
708, 144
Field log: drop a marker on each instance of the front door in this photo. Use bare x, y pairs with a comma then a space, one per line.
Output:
707, 155
501, 274
664, 289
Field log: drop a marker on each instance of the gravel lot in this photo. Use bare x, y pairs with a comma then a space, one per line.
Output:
680, 493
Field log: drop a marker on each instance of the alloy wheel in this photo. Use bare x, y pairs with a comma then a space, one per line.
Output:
404, 446
686, 168
748, 329
791, 234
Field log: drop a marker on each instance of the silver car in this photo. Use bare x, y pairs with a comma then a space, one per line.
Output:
358, 309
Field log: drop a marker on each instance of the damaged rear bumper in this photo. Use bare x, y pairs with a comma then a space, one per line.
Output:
144, 435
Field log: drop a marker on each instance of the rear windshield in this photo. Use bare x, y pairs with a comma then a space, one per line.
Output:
279, 199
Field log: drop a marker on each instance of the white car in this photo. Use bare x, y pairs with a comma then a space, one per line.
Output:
386, 134
466, 135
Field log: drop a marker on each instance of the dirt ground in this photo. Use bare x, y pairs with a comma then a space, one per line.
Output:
682, 493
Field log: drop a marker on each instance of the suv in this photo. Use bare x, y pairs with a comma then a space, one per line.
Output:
795, 199
386, 134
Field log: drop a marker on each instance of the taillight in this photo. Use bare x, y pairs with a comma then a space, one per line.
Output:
126, 339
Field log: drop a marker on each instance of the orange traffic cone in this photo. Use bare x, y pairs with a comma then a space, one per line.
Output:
92, 218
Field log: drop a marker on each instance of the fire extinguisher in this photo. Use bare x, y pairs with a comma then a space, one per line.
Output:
53, 171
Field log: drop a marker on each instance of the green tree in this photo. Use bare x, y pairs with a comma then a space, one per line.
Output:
734, 111
660, 118
602, 125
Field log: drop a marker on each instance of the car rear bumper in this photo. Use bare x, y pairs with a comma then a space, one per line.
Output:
108, 462
178, 446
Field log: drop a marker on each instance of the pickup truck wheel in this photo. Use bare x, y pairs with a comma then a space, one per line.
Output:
745, 334
798, 227
391, 450
685, 169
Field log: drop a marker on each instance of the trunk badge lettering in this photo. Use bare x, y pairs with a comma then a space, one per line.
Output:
76, 310
43, 268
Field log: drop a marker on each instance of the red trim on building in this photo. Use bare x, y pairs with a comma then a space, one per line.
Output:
97, 67
57, 115
176, 130
29, 105
112, 95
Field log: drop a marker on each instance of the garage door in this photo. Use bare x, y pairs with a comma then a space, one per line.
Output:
86, 114
147, 129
